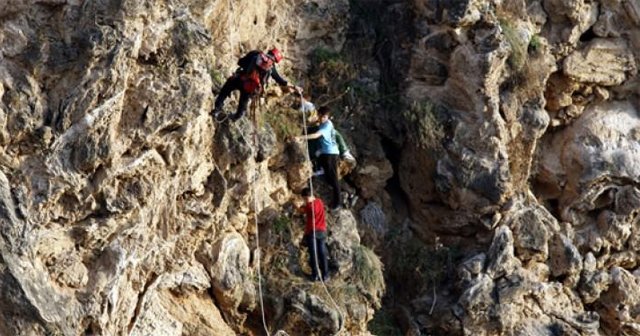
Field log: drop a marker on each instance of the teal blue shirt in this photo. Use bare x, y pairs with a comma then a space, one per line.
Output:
328, 144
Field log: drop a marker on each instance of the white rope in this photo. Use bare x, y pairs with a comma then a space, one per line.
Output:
313, 226
255, 211
254, 104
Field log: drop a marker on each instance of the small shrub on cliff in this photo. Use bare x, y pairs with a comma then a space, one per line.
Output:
281, 225
518, 44
424, 124
217, 78
284, 124
368, 270
329, 75
535, 43
384, 323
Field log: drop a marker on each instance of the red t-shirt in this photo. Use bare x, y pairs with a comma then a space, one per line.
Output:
318, 214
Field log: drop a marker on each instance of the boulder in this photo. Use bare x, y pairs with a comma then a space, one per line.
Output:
227, 263
604, 62
532, 228
565, 259
500, 257
343, 239
618, 302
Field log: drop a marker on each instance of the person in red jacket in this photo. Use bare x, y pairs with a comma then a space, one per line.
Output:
314, 210
252, 75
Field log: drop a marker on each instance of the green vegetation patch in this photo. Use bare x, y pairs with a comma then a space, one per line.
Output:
384, 323
518, 44
424, 120
285, 123
368, 271
217, 78
535, 43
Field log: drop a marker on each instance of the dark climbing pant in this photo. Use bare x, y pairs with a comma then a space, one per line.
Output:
232, 84
329, 162
322, 255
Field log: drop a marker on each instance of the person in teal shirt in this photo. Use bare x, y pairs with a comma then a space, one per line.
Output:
309, 109
329, 153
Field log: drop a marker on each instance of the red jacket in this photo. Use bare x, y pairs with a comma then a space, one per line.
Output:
318, 214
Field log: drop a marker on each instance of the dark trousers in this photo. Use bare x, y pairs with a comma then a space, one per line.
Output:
329, 162
232, 84
322, 255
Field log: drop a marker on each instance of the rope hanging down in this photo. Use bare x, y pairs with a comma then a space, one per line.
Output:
254, 178
253, 111
313, 217
254, 108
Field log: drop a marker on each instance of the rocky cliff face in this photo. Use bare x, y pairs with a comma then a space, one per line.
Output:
497, 175
125, 208
521, 151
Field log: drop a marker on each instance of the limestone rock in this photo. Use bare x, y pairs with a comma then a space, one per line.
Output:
613, 125
373, 223
558, 302
603, 61
463, 13
298, 169
592, 282
372, 175
532, 229
472, 267
227, 263
500, 258
571, 19
618, 301
342, 241
475, 304
564, 257
316, 313
126, 209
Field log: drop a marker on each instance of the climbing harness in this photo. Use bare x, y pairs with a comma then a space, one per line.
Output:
313, 217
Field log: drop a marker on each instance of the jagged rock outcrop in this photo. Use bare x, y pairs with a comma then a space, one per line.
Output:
497, 174
520, 122
126, 208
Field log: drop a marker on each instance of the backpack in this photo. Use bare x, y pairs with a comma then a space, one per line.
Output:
261, 60
245, 61
250, 65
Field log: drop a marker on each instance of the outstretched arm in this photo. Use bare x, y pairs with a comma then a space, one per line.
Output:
283, 82
276, 76
309, 136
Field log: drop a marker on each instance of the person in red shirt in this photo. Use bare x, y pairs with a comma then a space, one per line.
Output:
314, 210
